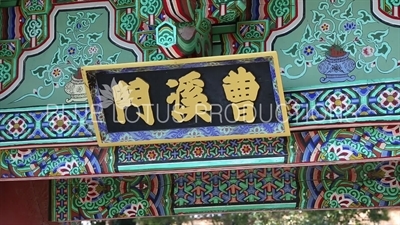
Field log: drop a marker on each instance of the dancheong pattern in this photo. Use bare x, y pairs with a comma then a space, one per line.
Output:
52, 162
274, 185
276, 148
336, 145
347, 144
345, 105
24, 126
101, 198
152, 32
44, 43
372, 184
350, 186
357, 104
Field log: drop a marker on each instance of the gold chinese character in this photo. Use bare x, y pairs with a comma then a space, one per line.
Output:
135, 94
241, 89
189, 99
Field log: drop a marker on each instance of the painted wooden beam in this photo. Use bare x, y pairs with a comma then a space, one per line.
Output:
356, 185
318, 147
306, 111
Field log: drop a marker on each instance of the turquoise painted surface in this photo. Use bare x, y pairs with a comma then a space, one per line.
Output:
371, 47
81, 39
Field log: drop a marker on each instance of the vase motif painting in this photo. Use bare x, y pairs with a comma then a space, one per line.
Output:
337, 65
339, 41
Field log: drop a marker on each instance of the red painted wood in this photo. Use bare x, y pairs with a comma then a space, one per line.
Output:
25, 203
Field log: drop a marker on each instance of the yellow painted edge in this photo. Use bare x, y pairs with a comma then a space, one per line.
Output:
272, 54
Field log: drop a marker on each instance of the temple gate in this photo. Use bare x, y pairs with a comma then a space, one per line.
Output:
329, 69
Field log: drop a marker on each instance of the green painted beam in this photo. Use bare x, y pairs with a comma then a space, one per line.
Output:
223, 29
8, 3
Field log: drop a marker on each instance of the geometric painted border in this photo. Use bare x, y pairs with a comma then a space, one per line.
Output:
365, 105
52, 124
318, 147
350, 104
107, 139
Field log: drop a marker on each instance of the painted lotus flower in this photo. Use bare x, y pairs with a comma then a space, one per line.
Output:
367, 51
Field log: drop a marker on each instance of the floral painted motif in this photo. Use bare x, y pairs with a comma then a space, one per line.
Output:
336, 153
198, 152
152, 155
56, 162
368, 51
135, 209
245, 149
342, 201
392, 129
342, 151
338, 102
309, 50
68, 166
339, 42
292, 107
78, 47
389, 99
20, 154
325, 27
60, 123
120, 197
355, 185
16, 126
91, 190
392, 174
